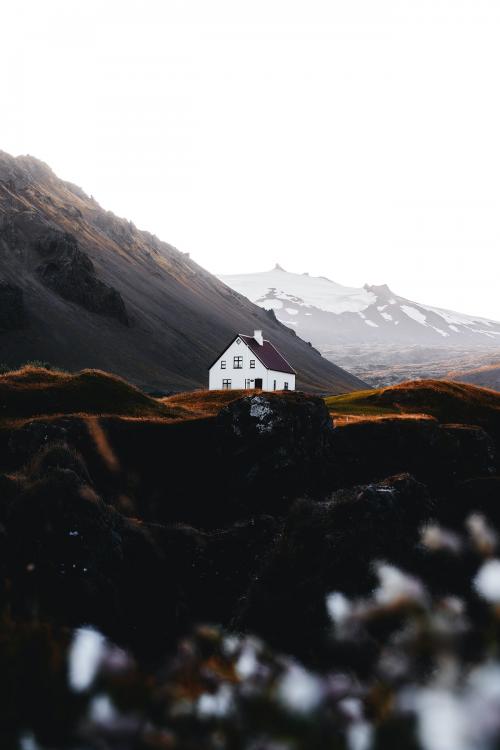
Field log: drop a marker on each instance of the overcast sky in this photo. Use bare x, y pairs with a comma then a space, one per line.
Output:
356, 139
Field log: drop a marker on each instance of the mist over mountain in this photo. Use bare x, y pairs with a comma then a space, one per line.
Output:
80, 287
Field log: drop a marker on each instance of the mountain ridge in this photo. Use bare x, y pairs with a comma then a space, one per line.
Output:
329, 313
93, 291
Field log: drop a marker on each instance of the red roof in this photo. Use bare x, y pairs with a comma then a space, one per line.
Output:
268, 355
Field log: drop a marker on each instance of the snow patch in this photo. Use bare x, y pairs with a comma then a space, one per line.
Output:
414, 314
271, 304
308, 291
440, 331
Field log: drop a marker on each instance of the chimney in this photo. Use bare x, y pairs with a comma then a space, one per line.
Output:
258, 337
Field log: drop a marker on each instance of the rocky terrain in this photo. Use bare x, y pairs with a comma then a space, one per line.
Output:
80, 287
248, 570
384, 365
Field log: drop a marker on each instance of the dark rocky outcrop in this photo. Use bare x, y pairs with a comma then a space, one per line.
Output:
278, 443
12, 309
74, 557
249, 519
436, 454
330, 546
70, 273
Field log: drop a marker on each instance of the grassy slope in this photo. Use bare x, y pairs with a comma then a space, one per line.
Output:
35, 392
32, 392
444, 400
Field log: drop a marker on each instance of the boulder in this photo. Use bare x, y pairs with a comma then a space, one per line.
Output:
273, 445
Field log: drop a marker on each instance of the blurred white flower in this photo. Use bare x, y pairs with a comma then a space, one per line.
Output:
299, 690
487, 581
442, 722
338, 607
85, 656
247, 663
101, 710
360, 736
216, 704
483, 536
434, 537
396, 585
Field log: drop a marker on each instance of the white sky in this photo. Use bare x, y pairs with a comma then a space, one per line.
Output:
357, 139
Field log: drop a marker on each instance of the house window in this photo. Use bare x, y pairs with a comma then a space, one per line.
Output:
248, 383
274, 387
252, 364
223, 364
226, 385
285, 386
238, 363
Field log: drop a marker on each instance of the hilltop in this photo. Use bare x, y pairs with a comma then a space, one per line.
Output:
444, 400
37, 393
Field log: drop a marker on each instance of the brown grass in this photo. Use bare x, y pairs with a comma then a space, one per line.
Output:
341, 420
444, 400
204, 403
34, 392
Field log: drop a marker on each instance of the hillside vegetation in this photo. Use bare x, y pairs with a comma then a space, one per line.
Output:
446, 401
204, 403
36, 392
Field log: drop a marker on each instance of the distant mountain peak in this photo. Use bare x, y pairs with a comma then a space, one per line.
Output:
329, 314
378, 288
277, 267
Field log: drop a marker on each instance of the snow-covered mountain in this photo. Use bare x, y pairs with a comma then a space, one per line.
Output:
327, 313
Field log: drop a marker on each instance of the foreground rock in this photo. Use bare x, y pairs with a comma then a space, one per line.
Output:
436, 454
275, 444
330, 546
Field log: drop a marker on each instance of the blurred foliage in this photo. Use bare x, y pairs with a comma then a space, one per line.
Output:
432, 682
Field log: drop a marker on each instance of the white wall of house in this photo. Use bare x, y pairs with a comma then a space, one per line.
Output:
244, 376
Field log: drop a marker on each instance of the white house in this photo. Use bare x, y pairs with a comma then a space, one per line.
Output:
251, 362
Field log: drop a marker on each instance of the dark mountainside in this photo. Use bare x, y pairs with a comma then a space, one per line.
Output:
80, 288
263, 577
